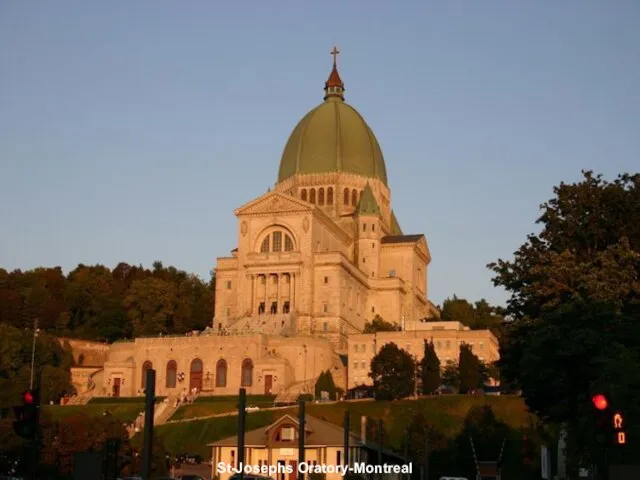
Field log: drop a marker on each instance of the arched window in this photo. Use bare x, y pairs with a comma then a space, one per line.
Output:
145, 366
312, 195
354, 197
346, 196
221, 373
196, 365
330, 196
247, 373
264, 248
321, 196
277, 241
172, 371
303, 194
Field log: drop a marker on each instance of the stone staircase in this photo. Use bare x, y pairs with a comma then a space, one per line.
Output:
164, 411
291, 394
267, 324
84, 397
161, 413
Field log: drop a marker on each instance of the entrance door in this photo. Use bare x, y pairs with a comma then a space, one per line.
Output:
294, 470
195, 375
268, 384
116, 387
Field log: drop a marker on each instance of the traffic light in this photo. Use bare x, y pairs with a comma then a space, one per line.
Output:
609, 423
27, 418
600, 402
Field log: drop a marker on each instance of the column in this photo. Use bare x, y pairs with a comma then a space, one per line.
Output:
292, 290
266, 292
278, 306
254, 294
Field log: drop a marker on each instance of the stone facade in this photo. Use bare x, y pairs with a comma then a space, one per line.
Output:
216, 365
315, 259
447, 338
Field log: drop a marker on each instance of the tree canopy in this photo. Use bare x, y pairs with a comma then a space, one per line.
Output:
574, 290
469, 366
378, 324
97, 303
477, 316
430, 369
393, 372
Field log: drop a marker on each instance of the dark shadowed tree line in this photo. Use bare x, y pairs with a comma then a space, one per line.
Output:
94, 302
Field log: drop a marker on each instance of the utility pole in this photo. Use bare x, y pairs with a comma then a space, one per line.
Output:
426, 456
301, 439
346, 430
405, 450
33, 350
242, 414
380, 440
147, 440
415, 382
36, 435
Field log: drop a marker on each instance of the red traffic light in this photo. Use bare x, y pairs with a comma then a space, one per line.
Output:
28, 397
600, 401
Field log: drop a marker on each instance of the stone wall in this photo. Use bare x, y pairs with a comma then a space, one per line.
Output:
277, 361
86, 352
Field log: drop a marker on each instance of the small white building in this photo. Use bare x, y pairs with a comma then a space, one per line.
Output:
273, 451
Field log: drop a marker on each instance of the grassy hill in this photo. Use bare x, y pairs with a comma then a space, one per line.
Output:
446, 413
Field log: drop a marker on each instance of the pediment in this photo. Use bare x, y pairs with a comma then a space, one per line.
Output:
274, 202
289, 420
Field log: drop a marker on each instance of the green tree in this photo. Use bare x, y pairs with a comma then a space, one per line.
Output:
430, 369
469, 369
421, 431
587, 249
573, 302
379, 325
393, 372
451, 375
478, 316
487, 433
457, 309
325, 383
153, 306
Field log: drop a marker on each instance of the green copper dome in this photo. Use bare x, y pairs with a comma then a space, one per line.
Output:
333, 137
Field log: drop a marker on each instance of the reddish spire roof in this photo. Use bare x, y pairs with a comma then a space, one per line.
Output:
334, 86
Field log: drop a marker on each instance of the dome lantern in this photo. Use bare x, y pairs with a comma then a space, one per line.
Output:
334, 86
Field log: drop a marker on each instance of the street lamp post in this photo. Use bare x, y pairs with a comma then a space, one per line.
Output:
415, 380
33, 350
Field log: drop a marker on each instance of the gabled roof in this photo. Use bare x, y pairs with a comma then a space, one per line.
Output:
318, 431
274, 202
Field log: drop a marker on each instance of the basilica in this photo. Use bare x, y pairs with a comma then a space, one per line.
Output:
316, 257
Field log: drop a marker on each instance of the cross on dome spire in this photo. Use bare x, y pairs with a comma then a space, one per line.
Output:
334, 86
335, 52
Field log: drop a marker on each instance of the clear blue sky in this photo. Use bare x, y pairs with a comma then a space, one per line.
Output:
129, 131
